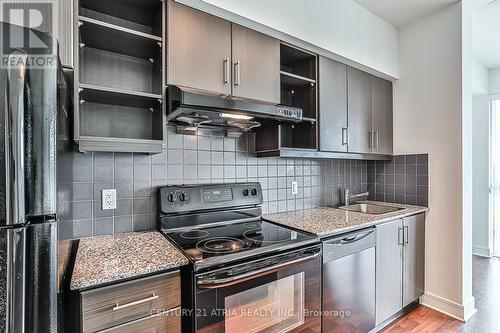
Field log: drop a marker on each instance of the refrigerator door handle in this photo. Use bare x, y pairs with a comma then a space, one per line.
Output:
14, 140
16, 286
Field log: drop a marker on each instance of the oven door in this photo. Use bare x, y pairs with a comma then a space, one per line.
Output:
283, 296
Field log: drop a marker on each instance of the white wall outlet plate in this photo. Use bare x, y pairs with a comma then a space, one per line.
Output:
109, 199
295, 187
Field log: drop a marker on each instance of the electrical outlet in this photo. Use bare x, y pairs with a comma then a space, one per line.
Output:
295, 187
109, 199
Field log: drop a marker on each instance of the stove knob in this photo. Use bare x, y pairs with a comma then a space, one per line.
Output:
254, 191
246, 192
183, 197
171, 197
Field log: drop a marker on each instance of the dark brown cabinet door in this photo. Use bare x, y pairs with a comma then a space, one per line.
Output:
333, 105
198, 50
382, 116
256, 65
359, 105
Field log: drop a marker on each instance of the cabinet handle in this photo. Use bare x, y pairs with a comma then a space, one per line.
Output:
370, 139
405, 234
344, 136
400, 235
237, 74
376, 139
118, 307
226, 70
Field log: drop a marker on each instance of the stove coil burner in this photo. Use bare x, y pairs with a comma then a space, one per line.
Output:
194, 234
220, 245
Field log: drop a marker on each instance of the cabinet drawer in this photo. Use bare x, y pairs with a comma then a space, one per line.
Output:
167, 322
124, 302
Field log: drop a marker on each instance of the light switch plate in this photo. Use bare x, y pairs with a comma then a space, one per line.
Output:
295, 187
109, 199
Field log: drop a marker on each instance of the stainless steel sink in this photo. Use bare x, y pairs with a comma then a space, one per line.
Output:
373, 209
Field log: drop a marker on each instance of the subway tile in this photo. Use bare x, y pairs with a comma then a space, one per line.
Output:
124, 172
174, 156
229, 158
123, 224
124, 189
82, 191
142, 188
142, 158
82, 172
99, 186
99, 212
142, 206
175, 172
190, 142
190, 157
204, 142
124, 207
142, 222
103, 226
103, 157
423, 159
411, 159
190, 171
142, 172
158, 171
160, 158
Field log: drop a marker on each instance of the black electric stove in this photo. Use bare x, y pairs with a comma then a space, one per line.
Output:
218, 224
238, 260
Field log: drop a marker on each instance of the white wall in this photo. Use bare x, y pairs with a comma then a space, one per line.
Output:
495, 81
480, 79
341, 26
481, 240
428, 100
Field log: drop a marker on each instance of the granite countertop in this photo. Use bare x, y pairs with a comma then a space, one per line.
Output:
106, 259
329, 221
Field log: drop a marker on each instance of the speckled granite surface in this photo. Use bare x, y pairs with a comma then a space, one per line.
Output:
326, 221
105, 259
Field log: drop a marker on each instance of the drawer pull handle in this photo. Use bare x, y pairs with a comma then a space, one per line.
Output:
118, 307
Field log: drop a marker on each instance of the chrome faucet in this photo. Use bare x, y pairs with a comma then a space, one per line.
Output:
348, 196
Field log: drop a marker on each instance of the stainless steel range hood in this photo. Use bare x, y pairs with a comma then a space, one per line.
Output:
193, 108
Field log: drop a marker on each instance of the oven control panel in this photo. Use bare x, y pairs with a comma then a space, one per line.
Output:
184, 198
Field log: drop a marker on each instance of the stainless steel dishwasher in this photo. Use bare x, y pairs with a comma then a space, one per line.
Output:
349, 282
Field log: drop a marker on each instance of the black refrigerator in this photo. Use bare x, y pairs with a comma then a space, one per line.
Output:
32, 95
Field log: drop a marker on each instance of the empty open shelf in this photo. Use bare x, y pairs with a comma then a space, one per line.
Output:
105, 36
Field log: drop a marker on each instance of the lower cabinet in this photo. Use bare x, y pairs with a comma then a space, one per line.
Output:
150, 304
399, 265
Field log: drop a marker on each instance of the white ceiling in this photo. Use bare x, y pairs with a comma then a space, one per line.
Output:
486, 34
401, 12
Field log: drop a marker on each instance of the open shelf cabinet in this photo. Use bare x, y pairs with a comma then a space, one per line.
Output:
298, 89
119, 77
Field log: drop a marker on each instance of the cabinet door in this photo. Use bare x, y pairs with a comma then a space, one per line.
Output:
333, 105
359, 106
198, 50
382, 115
389, 269
256, 65
413, 258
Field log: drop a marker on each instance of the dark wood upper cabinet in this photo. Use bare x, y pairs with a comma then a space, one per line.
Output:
198, 50
359, 105
332, 105
256, 65
382, 116
208, 53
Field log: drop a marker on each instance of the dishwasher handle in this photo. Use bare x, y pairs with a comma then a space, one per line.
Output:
344, 245
355, 238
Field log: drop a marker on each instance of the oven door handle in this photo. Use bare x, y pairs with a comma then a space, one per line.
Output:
226, 282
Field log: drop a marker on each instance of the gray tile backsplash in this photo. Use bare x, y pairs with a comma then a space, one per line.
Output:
208, 157
404, 179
